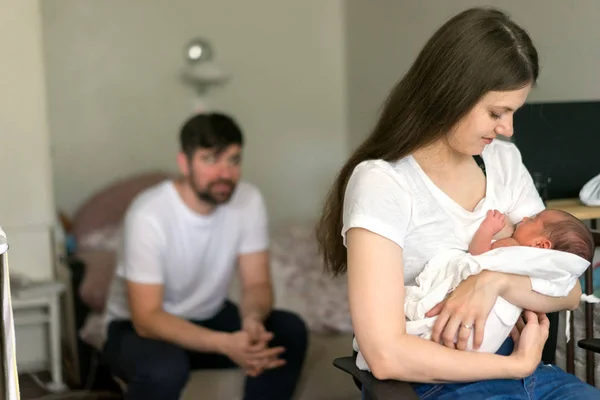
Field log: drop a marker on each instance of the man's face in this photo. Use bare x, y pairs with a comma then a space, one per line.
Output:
213, 176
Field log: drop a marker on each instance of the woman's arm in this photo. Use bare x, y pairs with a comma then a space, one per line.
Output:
468, 303
516, 289
376, 296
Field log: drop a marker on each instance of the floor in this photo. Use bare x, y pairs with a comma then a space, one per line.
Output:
322, 381
31, 390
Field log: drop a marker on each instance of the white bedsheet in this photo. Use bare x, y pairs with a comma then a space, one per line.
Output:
553, 273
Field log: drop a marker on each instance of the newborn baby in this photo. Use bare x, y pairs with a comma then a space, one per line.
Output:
550, 229
553, 248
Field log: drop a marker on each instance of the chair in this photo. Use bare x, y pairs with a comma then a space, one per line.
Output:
375, 389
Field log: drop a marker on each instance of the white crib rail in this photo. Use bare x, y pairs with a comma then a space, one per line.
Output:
9, 378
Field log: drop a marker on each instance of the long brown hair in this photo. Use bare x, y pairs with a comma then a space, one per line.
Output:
477, 51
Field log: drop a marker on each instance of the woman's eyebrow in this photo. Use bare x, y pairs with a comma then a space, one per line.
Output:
505, 108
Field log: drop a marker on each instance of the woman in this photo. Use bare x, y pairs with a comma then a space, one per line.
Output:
414, 189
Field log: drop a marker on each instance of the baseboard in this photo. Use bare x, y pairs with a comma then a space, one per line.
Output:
32, 367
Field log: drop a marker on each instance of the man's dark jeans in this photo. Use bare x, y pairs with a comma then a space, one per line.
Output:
159, 370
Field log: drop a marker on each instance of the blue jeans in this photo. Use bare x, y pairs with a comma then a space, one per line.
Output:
548, 382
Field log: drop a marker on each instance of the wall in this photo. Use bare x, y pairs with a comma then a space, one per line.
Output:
116, 103
385, 36
26, 203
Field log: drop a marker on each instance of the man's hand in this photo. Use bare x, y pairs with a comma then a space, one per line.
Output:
259, 339
255, 357
254, 327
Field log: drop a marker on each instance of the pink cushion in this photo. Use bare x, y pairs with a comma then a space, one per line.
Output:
97, 229
107, 207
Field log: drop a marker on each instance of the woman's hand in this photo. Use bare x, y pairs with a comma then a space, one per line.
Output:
466, 309
530, 338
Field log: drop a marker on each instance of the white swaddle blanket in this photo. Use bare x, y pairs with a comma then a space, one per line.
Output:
553, 273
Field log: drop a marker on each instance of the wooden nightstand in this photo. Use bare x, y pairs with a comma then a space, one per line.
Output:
576, 208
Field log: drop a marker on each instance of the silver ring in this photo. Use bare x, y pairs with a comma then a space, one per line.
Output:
466, 326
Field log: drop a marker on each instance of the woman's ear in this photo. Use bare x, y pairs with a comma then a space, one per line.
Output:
543, 243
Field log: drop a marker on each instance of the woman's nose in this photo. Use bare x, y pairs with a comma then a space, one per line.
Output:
505, 128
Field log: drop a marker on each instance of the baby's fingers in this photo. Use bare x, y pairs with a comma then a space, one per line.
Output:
531, 317
515, 334
543, 320
520, 324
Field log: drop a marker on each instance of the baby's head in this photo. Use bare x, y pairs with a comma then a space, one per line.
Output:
558, 230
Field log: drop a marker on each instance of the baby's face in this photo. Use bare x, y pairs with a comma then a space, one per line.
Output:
530, 229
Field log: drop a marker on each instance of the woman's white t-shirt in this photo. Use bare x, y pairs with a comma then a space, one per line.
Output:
398, 201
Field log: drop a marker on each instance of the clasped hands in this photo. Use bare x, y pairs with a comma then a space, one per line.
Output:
249, 348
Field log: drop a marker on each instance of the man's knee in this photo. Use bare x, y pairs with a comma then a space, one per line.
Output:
289, 330
166, 372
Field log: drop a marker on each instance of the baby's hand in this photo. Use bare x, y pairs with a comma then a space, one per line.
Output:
494, 221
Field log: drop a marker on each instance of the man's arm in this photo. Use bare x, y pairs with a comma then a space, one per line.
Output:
152, 322
257, 290
253, 261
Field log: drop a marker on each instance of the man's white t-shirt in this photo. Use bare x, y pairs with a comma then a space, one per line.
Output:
194, 256
397, 200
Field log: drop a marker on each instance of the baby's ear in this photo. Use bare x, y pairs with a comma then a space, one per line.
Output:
543, 243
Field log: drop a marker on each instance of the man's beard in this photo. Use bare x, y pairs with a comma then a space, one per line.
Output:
208, 196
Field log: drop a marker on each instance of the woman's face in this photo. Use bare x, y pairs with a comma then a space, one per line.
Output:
491, 116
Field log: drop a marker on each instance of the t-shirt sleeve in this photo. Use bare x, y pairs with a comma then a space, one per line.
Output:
141, 258
526, 200
376, 200
255, 229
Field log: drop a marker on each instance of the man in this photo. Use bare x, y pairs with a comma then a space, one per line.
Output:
167, 310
